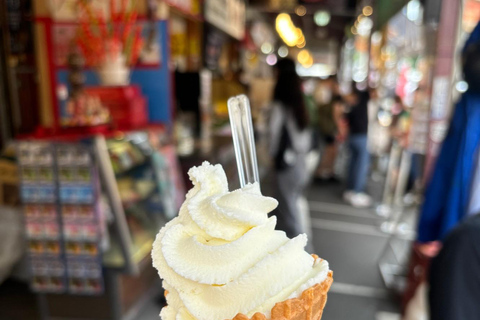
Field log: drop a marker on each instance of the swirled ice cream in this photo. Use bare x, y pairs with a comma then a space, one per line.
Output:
222, 255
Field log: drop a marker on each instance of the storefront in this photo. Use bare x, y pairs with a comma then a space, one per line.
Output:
97, 168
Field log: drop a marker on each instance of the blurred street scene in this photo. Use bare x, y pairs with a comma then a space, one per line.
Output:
366, 120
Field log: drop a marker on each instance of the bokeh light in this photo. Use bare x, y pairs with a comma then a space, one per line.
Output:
301, 10
266, 48
322, 18
367, 11
283, 51
271, 59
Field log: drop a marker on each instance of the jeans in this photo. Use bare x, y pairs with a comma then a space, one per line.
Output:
359, 162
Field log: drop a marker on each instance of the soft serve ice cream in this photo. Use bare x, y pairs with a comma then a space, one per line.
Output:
222, 255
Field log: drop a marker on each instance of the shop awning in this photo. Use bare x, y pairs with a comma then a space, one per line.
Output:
385, 9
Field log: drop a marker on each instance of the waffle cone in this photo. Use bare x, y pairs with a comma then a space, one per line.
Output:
309, 306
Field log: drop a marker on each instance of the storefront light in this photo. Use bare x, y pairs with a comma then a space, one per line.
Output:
266, 48
413, 10
301, 10
359, 76
290, 34
376, 37
384, 118
461, 86
308, 64
353, 30
282, 51
365, 26
301, 44
318, 70
367, 11
322, 18
303, 56
271, 59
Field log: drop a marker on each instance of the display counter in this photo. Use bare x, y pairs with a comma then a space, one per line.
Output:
92, 208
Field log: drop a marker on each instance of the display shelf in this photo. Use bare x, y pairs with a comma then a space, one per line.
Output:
127, 203
132, 216
141, 247
133, 167
135, 193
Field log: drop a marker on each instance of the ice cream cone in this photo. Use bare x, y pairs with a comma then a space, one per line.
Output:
309, 306
223, 259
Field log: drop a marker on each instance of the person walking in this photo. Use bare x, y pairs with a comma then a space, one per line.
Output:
357, 119
330, 118
290, 142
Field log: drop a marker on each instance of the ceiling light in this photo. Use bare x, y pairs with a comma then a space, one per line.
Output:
367, 11
322, 18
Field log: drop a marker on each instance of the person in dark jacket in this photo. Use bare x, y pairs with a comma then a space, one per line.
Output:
357, 119
455, 274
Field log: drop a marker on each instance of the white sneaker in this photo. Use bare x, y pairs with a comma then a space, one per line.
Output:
360, 200
347, 196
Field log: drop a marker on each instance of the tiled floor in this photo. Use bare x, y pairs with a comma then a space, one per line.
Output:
351, 241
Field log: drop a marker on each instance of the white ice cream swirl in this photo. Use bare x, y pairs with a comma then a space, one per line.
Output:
221, 256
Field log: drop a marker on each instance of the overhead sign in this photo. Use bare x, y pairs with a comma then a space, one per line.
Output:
227, 15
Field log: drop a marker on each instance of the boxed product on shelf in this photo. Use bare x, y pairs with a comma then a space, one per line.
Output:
42, 221
59, 188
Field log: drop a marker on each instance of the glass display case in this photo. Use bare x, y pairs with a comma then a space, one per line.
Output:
139, 181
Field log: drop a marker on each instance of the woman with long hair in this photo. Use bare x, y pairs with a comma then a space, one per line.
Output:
290, 141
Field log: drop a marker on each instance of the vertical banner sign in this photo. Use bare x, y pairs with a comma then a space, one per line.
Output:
441, 103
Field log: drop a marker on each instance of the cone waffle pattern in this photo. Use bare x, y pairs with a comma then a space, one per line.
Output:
309, 306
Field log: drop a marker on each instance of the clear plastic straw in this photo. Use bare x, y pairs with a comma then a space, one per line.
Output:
243, 139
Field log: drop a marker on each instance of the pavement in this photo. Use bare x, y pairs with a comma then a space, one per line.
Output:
351, 241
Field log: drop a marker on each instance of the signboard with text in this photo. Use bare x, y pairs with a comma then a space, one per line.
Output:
227, 15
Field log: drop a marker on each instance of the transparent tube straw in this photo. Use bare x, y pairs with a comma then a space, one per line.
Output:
243, 139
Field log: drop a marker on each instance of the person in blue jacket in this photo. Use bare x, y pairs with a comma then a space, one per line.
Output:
450, 194
451, 211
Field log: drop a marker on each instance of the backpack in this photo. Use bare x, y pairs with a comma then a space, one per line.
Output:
285, 157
